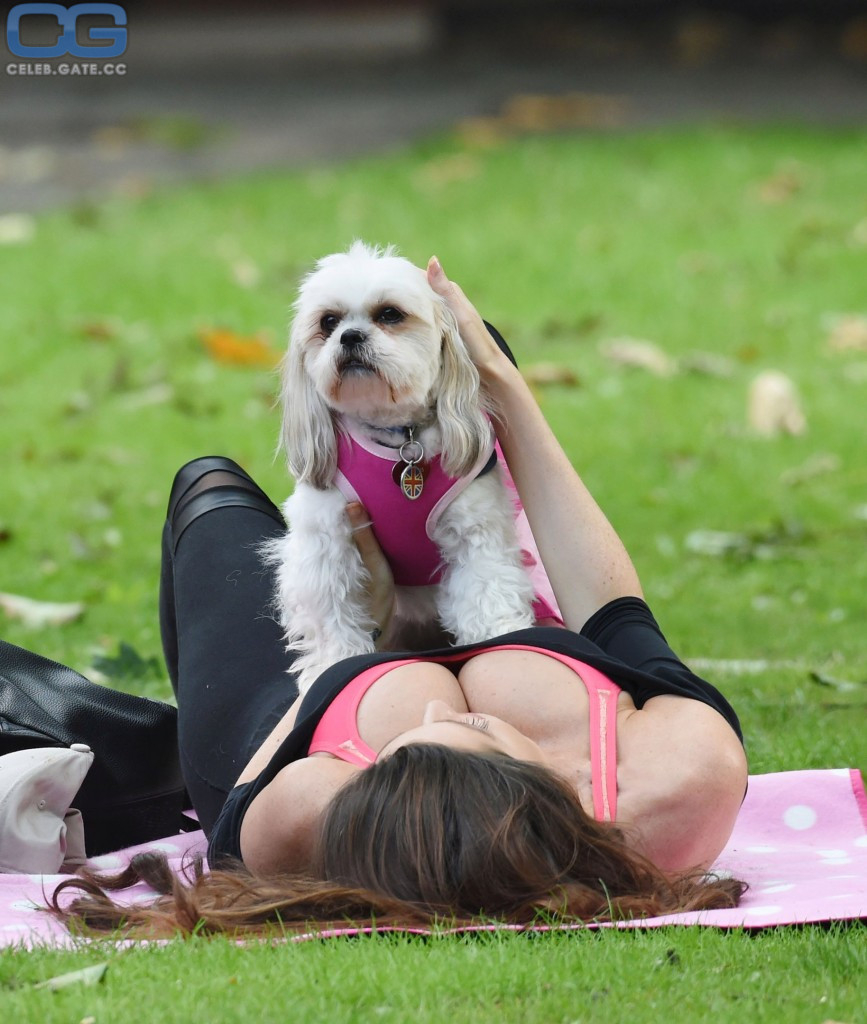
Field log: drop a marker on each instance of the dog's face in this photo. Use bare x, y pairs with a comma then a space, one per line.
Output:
368, 329
370, 338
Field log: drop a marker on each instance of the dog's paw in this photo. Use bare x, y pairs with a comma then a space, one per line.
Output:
478, 631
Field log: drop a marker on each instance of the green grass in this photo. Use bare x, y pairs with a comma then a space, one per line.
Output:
105, 389
807, 976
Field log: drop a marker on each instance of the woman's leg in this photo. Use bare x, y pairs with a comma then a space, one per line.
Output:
224, 650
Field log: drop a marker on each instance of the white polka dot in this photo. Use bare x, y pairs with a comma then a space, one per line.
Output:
107, 860
800, 817
841, 859
842, 773
15, 928
840, 878
166, 847
861, 841
782, 887
764, 910
761, 849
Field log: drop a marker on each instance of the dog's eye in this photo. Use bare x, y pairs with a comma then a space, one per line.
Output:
328, 323
389, 315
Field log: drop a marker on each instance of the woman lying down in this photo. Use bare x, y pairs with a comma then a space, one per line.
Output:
579, 773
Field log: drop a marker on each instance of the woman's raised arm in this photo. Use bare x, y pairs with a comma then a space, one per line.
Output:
585, 560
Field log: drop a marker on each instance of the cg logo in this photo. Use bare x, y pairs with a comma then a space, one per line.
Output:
67, 42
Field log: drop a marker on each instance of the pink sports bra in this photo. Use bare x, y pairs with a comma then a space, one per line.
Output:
337, 731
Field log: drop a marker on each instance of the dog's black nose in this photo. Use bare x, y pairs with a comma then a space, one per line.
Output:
352, 337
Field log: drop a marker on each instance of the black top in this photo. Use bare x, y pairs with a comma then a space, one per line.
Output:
621, 640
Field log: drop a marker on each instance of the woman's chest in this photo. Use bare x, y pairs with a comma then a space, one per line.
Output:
539, 695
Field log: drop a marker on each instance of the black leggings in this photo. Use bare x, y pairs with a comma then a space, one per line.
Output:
223, 648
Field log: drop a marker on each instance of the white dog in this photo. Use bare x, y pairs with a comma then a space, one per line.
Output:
382, 404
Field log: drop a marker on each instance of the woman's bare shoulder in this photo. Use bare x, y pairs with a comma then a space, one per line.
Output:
279, 828
682, 775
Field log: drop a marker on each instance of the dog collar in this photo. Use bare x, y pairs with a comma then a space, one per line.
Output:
402, 435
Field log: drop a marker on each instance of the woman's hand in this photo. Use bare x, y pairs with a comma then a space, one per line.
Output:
483, 350
380, 586
584, 558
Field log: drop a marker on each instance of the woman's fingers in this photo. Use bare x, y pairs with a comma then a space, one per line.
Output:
481, 346
362, 531
457, 302
380, 588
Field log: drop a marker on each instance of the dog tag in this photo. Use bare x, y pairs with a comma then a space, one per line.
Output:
399, 467
412, 481
411, 467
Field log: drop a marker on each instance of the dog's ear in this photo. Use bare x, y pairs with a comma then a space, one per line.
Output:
308, 435
466, 430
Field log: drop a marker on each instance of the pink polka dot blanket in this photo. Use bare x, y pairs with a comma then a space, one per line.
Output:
800, 842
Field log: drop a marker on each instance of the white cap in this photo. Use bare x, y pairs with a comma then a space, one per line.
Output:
37, 787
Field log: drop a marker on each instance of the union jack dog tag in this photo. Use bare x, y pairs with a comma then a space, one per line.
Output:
412, 481
412, 475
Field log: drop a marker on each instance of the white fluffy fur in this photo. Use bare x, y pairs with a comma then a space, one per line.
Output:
414, 371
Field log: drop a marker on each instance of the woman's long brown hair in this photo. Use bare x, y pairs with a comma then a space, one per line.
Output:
426, 836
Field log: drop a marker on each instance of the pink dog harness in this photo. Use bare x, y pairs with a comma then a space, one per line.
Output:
366, 473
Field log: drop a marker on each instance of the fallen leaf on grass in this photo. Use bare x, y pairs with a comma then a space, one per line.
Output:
39, 614
87, 976
642, 355
774, 407
782, 185
225, 346
843, 685
100, 330
544, 374
761, 544
16, 228
848, 334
